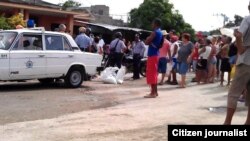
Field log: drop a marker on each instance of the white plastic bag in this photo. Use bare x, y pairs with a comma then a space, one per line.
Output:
109, 75
120, 75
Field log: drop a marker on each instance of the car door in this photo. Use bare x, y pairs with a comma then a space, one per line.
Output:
27, 59
58, 54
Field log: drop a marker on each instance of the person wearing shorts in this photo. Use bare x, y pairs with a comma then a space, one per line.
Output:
241, 80
185, 54
174, 53
163, 59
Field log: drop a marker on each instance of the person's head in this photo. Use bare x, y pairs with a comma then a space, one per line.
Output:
229, 40
185, 37
97, 39
164, 33
156, 23
224, 39
88, 31
208, 42
19, 27
62, 28
214, 40
172, 33
137, 37
118, 35
199, 35
174, 38
82, 30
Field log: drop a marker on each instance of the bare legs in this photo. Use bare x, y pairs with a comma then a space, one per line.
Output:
183, 81
162, 78
229, 116
153, 93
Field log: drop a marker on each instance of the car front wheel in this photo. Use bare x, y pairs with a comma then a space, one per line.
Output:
74, 78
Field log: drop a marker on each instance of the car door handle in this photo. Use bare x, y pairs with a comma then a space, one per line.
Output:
70, 56
41, 56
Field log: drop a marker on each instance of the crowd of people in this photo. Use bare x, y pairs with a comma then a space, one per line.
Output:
209, 57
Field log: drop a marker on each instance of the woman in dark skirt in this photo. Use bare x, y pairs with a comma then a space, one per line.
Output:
202, 67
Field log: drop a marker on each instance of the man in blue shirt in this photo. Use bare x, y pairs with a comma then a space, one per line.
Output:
82, 40
154, 41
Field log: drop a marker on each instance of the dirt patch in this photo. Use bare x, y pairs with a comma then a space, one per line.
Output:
29, 101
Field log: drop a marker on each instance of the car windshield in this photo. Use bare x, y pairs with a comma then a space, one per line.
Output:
6, 39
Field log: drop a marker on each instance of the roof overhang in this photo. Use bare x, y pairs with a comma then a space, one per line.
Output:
41, 9
111, 27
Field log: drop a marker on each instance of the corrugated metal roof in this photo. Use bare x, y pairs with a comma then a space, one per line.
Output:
111, 27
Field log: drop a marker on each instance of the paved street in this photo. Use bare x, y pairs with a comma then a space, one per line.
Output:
97, 111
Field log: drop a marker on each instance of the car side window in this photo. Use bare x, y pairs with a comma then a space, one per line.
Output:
29, 42
66, 44
54, 42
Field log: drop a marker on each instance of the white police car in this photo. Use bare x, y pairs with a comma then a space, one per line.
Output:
27, 54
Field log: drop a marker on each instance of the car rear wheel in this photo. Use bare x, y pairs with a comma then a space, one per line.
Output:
74, 78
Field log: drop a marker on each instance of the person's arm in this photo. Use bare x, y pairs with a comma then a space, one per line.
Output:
175, 50
239, 35
124, 48
143, 49
169, 53
189, 59
202, 50
150, 39
239, 42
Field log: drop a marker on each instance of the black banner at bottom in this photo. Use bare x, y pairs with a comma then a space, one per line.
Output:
208, 132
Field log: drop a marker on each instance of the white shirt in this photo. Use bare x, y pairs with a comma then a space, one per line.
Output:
206, 54
172, 49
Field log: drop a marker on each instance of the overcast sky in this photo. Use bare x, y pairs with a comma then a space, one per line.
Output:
201, 14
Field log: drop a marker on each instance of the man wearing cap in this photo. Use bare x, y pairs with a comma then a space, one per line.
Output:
241, 79
82, 40
138, 48
163, 59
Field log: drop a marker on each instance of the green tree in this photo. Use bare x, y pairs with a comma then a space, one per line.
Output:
70, 3
3, 23
15, 20
143, 16
237, 21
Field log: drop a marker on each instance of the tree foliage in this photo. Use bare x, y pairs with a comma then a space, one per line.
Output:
143, 16
15, 20
237, 21
70, 3
4, 23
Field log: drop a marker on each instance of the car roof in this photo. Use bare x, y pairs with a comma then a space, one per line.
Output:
33, 31
19, 31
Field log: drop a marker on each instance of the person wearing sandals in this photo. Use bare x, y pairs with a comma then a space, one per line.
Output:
174, 51
185, 54
204, 52
154, 42
164, 51
212, 61
241, 79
